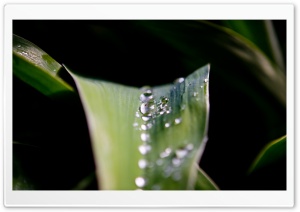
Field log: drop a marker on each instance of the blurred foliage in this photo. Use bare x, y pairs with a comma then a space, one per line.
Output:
247, 93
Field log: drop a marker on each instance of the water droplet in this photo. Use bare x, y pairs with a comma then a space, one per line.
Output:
19, 46
146, 108
143, 163
183, 107
159, 162
176, 176
181, 153
146, 118
195, 93
179, 80
166, 153
140, 182
144, 149
135, 124
205, 80
178, 120
190, 147
167, 125
145, 137
164, 100
25, 53
201, 86
146, 97
144, 127
176, 162
155, 187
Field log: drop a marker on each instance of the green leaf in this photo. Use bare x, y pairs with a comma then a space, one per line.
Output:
271, 153
204, 182
36, 68
239, 59
262, 34
175, 132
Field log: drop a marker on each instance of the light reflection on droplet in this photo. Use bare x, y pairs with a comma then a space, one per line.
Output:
179, 80
181, 153
190, 147
146, 118
167, 125
142, 163
140, 182
144, 149
145, 137
178, 120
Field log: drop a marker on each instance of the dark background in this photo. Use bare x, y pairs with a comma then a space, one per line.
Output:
121, 51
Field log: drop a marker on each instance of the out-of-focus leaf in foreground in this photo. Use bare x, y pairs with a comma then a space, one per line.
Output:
148, 138
270, 154
224, 48
262, 34
36, 68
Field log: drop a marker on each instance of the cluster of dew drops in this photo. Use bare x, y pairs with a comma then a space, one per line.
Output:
150, 109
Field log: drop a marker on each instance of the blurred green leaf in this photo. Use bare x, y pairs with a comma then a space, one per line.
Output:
176, 137
262, 34
36, 68
204, 182
270, 154
238, 58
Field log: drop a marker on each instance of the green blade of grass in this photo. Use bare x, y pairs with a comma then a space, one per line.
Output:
36, 68
176, 136
270, 154
262, 34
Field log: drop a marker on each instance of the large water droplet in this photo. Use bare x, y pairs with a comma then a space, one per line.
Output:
205, 80
178, 120
146, 97
145, 137
143, 163
195, 93
146, 108
140, 182
179, 80
167, 125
